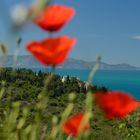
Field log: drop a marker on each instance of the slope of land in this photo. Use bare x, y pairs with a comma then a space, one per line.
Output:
24, 86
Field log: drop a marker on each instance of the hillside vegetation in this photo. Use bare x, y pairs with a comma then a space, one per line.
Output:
22, 88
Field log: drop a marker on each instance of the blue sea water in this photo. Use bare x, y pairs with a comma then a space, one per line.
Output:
120, 80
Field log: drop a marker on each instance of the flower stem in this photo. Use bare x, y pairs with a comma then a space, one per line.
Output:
94, 69
69, 137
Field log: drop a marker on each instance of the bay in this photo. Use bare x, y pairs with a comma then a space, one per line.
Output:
119, 80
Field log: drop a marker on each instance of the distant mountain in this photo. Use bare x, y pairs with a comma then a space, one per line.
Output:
27, 61
81, 64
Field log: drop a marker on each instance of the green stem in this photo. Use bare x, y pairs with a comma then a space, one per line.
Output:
94, 70
69, 137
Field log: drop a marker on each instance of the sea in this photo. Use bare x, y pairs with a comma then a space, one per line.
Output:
119, 80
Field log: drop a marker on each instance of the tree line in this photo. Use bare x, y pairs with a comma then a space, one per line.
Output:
25, 84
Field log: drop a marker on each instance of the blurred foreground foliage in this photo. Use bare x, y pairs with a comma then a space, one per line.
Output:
22, 111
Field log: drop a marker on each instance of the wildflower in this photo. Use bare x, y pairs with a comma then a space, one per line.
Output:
51, 51
54, 17
116, 104
19, 15
72, 125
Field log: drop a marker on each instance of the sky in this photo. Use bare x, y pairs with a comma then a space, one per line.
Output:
109, 28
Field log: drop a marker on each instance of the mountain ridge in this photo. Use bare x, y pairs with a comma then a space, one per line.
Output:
27, 61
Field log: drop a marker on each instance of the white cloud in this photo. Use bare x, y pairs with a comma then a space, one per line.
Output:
137, 37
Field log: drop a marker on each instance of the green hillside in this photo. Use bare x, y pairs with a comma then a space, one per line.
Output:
20, 92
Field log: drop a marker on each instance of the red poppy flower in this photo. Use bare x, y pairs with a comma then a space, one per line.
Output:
51, 51
72, 125
54, 17
116, 104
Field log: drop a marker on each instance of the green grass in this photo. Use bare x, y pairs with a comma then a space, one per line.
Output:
30, 114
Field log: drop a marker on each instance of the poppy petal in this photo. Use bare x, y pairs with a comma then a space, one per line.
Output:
72, 125
51, 51
116, 104
54, 17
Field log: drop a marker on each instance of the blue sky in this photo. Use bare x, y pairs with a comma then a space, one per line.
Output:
110, 28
